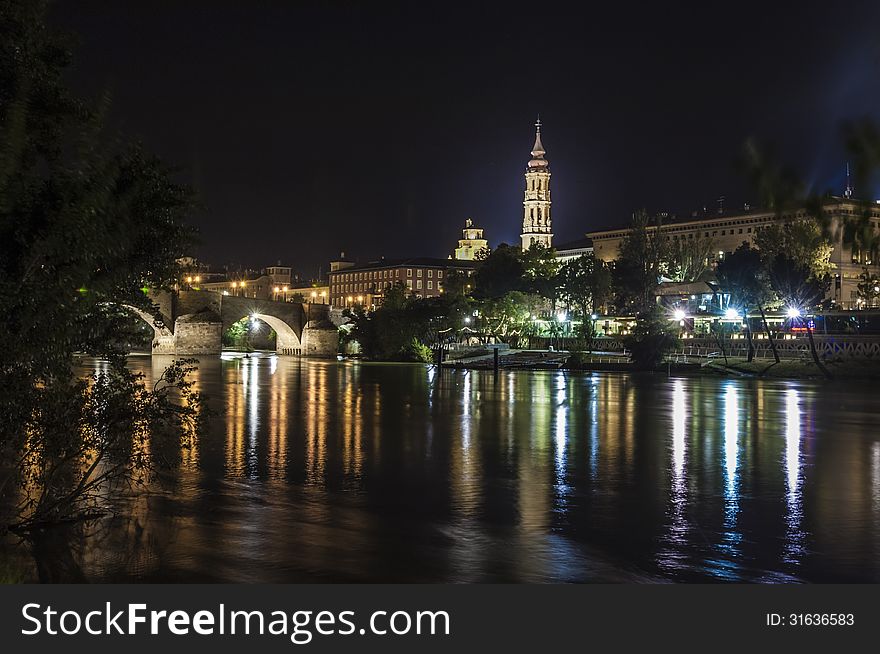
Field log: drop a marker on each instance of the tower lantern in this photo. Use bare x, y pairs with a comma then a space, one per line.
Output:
537, 226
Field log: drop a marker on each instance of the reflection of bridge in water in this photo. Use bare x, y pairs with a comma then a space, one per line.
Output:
193, 322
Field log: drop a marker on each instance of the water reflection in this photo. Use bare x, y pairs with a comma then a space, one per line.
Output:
794, 541
732, 536
317, 471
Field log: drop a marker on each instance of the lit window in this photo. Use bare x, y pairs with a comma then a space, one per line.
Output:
430, 284
409, 272
430, 273
419, 272
419, 284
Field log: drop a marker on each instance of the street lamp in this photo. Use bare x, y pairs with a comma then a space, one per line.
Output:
679, 315
731, 314
793, 312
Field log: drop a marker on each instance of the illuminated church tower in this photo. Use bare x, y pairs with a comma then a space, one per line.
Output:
536, 205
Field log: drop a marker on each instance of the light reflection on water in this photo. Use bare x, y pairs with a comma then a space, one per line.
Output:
333, 471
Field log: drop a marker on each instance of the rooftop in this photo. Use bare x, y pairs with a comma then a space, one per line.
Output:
425, 262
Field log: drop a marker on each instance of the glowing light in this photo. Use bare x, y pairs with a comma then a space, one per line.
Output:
793, 312
314, 294
731, 314
467, 320
277, 289
562, 316
198, 278
679, 314
189, 279
234, 284
594, 317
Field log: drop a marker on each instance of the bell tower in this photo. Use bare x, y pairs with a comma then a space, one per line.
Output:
537, 227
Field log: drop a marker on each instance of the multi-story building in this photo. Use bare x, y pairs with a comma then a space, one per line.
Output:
365, 284
536, 225
273, 283
471, 242
727, 231
574, 249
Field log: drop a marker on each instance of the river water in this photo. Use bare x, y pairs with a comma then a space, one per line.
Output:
342, 471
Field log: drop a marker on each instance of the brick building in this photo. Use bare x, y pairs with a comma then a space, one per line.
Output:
365, 284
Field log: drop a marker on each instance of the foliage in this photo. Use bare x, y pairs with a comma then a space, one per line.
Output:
641, 263
111, 431
500, 273
801, 240
540, 271
687, 260
237, 334
650, 340
508, 318
869, 287
389, 332
85, 225
585, 283
417, 351
744, 275
795, 282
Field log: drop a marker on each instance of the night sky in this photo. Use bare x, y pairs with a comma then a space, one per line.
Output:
377, 128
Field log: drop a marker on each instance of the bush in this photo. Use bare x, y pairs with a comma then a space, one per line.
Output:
415, 350
650, 341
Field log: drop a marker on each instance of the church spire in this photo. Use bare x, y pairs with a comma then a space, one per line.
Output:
538, 151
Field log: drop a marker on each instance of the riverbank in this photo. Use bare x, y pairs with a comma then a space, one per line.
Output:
767, 368
615, 362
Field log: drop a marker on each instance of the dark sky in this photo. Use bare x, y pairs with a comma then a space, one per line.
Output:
377, 128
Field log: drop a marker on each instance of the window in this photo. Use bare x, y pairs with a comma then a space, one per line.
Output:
409, 272
419, 284
419, 272
430, 285
430, 273
439, 274
409, 284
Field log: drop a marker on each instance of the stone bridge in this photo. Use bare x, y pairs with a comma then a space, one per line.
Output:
193, 322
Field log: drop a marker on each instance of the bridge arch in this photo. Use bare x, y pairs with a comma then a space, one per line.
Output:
163, 338
287, 341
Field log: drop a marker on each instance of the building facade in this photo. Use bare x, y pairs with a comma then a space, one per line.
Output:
727, 231
365, 284
574, 249
536, 225
471, 242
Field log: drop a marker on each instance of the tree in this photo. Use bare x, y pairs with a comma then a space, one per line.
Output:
869, 288
744, 276
585, 283
540, 271
799, 288
396, 330
801, 240
640, 264
501, 272
509, 317
86, 225
688, 260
